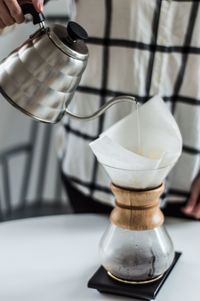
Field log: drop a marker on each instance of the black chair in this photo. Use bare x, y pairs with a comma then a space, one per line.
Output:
25, 170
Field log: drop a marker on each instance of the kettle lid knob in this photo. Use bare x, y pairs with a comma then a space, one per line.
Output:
76, 32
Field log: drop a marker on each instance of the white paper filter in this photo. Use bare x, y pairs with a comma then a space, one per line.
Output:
140, 163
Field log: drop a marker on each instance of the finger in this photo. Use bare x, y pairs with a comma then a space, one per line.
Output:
196, 211
5, 15
38, 4
192, 201
15, 10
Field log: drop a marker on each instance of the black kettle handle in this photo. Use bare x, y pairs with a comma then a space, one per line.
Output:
28, 8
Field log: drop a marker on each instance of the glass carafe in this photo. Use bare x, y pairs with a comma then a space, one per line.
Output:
136, 247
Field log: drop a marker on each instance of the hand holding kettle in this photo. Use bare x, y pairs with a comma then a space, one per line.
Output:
40, 77
11, 12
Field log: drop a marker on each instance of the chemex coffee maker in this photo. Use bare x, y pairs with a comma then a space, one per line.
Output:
137, 154
40, 77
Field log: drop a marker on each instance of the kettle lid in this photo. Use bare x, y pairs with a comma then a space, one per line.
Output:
70, 40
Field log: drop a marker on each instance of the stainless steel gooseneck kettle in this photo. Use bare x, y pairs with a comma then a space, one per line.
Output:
41, 76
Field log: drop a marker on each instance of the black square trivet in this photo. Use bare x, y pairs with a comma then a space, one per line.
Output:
148, 291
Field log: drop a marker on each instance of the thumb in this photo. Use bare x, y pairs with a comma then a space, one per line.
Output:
38, 4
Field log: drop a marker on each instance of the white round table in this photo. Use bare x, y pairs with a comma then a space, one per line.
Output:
52, 259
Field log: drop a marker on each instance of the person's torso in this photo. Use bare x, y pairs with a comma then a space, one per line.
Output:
140, 48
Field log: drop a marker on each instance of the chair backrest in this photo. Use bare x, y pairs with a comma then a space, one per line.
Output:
30, 175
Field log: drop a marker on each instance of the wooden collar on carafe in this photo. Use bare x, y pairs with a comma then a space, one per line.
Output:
137, 209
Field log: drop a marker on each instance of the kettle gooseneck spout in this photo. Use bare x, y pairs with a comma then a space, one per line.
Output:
111, 102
